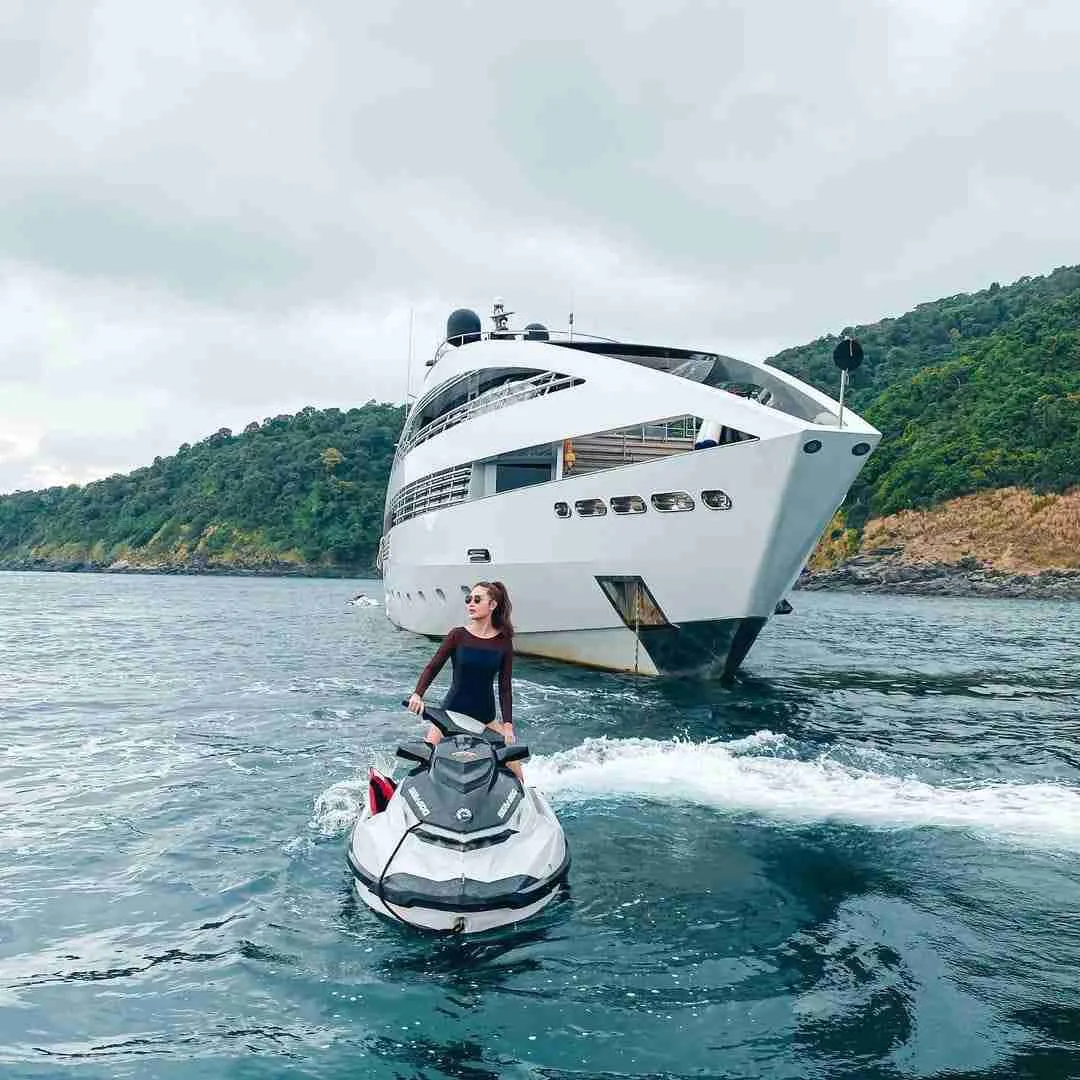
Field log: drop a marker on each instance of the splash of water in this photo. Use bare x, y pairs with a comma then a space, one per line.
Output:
763, 775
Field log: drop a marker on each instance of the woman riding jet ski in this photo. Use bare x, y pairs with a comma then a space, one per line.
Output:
460, 844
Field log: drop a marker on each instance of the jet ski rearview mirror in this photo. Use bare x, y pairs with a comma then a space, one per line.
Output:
419, 752
514, 752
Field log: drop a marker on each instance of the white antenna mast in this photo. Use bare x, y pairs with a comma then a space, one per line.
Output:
847, 356
408, 369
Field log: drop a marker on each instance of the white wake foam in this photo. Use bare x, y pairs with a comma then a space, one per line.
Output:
760, 775
339, 806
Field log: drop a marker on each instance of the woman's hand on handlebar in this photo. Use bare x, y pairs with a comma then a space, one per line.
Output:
416, 704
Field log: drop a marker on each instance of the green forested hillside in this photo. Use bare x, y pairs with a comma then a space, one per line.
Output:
971, 392
302, 490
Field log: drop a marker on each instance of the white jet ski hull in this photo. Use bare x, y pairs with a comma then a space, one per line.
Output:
411, 880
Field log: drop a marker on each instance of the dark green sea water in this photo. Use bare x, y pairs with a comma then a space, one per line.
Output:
863, 861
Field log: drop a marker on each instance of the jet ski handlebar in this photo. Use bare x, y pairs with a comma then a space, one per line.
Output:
455, 723
452, 723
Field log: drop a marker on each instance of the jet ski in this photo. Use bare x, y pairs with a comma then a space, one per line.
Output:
460, 844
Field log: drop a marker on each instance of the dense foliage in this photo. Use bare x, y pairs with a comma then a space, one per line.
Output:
971, 392
303, 489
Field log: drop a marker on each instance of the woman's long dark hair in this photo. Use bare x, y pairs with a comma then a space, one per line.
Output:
500, 617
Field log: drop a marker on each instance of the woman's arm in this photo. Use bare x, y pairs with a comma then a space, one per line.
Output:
435, 664
506, 705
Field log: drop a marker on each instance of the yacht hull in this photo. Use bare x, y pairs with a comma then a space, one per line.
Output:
657, 593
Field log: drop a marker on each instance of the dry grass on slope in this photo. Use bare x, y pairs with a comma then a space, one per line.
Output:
1010, 529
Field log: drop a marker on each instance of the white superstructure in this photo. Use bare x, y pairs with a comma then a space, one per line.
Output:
566, 467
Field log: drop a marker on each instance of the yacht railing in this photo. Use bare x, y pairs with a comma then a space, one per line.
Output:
515, 335
628, 446
444, 488
498, 397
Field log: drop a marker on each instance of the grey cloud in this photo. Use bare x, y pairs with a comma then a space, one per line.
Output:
213, 211
93, 235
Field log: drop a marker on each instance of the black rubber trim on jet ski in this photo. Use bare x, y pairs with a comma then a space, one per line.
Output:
464, 845
379, 889
407, 890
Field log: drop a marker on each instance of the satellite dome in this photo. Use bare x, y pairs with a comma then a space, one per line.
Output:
536, 332
463, 327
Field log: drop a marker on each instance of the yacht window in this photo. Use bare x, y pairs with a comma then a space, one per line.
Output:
628, 504
419, 594
590, 507
479, 555
509, 477
629, 445
441, 595
670, 502
465, 590
562, 510
716, 500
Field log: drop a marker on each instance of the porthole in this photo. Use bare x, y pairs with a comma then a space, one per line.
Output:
408, 596
716, 499
590, 507
478, 555
441, 595
465, 590
861, 449
628, 504
562, 510
672, 502
419, 594
812, 447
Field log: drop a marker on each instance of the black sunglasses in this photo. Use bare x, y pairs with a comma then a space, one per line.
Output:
476, 598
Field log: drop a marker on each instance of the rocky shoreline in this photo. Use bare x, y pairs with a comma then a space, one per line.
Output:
888, 573
193, 567
870, 573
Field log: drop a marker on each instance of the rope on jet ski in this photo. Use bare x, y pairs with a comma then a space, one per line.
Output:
379, 885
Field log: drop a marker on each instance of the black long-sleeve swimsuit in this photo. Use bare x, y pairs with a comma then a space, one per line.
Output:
476, 662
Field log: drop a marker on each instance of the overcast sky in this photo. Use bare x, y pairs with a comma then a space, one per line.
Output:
212, 212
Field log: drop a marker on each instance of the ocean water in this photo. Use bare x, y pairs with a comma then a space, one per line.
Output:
861, 861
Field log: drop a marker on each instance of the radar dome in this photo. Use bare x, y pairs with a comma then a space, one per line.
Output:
463, 327
536, 332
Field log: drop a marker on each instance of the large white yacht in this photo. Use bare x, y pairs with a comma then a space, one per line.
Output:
647, 507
